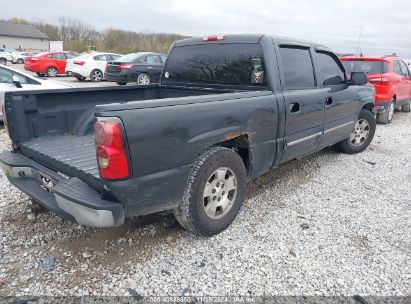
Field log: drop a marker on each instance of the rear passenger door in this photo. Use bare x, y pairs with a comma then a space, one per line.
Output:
341, 107
304, 106
154, 66
406, 82
399, 81
59, 62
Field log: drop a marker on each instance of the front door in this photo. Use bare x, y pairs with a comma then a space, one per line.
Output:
304, 105
341, 107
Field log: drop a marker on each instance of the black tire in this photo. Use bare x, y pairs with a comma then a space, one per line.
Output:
191, 213
40, 74
51, 72
121, 83
406, 107
347, 145
96, 75
20, 61
80, 78
386, 117
3, 61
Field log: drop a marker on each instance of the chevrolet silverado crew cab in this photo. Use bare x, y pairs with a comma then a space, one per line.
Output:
227, 109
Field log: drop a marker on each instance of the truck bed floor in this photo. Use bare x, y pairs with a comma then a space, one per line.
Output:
69, 154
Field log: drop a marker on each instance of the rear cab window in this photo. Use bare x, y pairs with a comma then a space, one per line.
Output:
211, 65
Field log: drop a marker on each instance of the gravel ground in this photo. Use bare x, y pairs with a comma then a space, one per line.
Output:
330, 224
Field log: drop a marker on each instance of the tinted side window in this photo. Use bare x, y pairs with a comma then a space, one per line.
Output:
298, 68
163, 58
70, 56
143, 59
58, 56
330, 70
397, 68
114, 57
102, 57
153, 59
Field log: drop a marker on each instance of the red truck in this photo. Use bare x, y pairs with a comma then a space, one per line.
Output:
391, 78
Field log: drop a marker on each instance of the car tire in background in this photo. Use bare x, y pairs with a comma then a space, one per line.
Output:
143, 79
96, 75
80, 78
406, 107
20, 61
214, 192
121, 83
51, 72
362, 135
386, 117
3, 61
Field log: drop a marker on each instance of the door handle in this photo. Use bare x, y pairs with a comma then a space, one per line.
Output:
329, 100
294, 107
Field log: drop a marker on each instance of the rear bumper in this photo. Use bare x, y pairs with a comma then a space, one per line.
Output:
70, 198
116, 77
382, 106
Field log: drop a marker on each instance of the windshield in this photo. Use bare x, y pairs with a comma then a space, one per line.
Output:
220, 64
368, 67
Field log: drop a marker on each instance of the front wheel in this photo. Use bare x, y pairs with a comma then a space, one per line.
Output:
362, 135
20, 61
3, 61
406, 107
143, 79
214, 192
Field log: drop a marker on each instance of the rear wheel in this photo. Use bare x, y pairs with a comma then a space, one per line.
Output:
80, 78
3, 61
362, 135
121, 83
51, 72
386, 117
143, 79
214, 192
96, 75
20, 61
406, 107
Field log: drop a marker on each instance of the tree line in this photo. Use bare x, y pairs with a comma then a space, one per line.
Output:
78, 36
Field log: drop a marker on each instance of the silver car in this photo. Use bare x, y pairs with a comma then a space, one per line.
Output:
13, 80
20, 57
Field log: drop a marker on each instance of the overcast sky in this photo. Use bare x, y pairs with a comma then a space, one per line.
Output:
385, 25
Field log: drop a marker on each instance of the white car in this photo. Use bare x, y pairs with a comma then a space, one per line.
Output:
5, 55
19, 57
13, 80
90, 65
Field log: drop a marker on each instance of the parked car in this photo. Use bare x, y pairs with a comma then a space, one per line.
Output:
90, 65
391, 79
48, 63
227, 109
143, 68
5, 55
19, 57
13, 80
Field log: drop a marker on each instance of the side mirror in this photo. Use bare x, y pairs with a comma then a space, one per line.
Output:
17, 82
359, 78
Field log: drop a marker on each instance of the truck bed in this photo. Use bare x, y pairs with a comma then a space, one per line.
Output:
69, 154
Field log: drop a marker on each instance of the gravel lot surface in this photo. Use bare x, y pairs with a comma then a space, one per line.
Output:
329, 224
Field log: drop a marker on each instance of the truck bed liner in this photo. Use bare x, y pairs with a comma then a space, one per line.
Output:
67, 153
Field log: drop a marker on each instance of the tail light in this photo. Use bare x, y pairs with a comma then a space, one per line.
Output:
125, 66
111, 150
79, 62
214, 38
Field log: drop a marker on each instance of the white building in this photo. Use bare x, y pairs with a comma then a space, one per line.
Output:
22, 37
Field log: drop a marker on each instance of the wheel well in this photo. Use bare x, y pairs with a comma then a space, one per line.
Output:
239, 144
394, 98
368, 106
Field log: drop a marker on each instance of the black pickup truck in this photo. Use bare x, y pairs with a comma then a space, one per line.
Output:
227, 109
